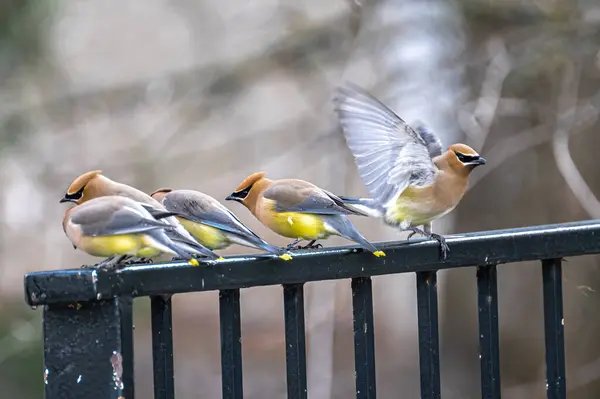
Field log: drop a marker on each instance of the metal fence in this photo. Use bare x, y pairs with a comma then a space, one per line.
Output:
88, 329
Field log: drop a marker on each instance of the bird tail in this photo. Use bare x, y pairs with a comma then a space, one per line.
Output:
190, 246
368, 206
161, 241
343, 227
255, 241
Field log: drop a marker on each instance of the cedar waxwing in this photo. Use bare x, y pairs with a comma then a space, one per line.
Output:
411, 180
211, 224
93, 184
112, 226
298, 209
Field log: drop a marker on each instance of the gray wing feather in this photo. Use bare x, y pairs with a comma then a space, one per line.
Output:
389, 154
96, 221
204, 209
301, 196
434, 145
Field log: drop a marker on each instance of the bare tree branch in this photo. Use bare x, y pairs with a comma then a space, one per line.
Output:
477, 124
560, 144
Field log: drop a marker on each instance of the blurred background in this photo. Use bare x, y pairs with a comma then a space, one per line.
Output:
198, 94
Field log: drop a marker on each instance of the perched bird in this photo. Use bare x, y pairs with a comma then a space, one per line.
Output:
117, 227
93, 184
412, 181
298, 209
210, 223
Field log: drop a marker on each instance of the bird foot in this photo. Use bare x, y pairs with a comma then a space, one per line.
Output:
308, 246
444, 248
313, 246
105, 265
137, 261
293, 245
443, 245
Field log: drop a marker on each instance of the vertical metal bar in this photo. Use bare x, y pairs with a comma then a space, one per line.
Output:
162, 347
364, 338
295, 342
489, 342
554, 329
126, 315
429, 347
231, 346
88, 351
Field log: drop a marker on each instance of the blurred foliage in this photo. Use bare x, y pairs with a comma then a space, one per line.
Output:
21, 352
23, 30
23, 27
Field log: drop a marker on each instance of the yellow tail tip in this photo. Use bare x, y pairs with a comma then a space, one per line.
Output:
193, 262
286, 257
220, 258
379, 253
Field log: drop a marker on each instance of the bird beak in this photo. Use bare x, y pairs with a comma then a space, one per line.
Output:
66, 200
233, 197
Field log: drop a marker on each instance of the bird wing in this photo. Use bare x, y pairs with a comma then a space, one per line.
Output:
389, 154
201, 208
106, 219
432, 141
300, 196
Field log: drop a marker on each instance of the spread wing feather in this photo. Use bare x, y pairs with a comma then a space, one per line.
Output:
389, 154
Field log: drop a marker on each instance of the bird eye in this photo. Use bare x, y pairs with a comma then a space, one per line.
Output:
242, 194
466, 158
75, 196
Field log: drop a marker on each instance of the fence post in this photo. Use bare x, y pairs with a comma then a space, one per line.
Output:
88, 350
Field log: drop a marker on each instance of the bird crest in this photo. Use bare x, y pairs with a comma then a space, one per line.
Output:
250, 180
82, 180
463, 149
161, 191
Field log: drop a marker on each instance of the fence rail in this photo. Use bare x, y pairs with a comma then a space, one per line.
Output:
88, 340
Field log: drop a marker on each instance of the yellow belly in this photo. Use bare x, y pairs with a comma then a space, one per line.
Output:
417, 206
130, 244
305, 226
208, 236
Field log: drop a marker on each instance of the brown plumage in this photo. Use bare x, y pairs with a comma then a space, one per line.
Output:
211, 223
93, 184
298, 209
117, 226
412, 181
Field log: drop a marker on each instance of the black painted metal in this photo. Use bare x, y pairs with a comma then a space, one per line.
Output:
88, 347
554, 329
489, 341
126, 315
364, 338
295, 342
429, 347
231, 345
493, 247
88, 350
162, 347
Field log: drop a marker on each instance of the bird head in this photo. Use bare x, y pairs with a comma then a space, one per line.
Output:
246, 192
159, 194
81, 189
463, 158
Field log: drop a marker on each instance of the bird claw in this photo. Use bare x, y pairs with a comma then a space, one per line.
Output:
443, 245
137, 261
432, 236
314, 246
293, 245
308, 246
104, 265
